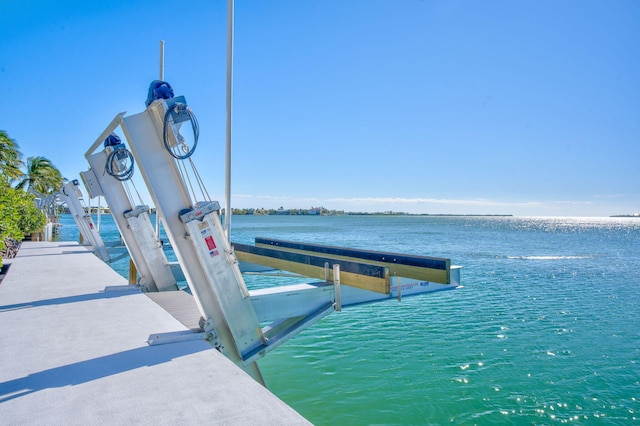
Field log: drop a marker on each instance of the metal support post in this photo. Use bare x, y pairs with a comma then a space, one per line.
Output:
72, 195
218, 290
336, 285
134, 225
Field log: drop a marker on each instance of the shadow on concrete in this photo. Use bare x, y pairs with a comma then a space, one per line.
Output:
3, 271
63, 253
70, 299
98, 368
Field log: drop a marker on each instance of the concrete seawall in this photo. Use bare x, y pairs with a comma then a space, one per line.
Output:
73, 350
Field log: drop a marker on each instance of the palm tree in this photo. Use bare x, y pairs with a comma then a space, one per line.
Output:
10, 162
41, 176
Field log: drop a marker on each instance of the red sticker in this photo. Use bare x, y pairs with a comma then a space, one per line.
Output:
210, 243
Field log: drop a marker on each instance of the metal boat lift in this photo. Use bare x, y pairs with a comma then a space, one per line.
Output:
233, 320
243, 325
72, 195
132, 220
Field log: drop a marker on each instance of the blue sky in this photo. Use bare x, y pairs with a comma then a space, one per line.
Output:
484, 107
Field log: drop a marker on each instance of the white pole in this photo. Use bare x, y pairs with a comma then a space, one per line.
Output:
336, 287
161, 78
161, 59
227, 210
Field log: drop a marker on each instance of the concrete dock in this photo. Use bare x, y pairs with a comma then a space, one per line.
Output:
73, 350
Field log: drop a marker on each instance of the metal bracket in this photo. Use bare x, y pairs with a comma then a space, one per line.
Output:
211, 336
231, 256
124, 288
91, 183
136, 211
199, 212
178, 115
175, 337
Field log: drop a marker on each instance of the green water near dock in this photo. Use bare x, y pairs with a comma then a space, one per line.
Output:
546, 329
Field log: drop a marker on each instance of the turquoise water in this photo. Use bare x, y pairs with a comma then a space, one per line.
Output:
546, 329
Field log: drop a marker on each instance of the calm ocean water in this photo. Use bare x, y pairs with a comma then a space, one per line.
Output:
546, 329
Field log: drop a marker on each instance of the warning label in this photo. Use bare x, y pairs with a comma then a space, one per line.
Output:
211, 245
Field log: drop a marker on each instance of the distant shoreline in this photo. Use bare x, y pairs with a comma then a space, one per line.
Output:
317, 212
327, 212
429, 214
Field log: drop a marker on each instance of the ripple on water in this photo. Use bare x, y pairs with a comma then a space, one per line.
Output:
544, 331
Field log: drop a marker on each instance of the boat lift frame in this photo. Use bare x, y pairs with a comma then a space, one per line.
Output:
232, 318
72, 195
133, 222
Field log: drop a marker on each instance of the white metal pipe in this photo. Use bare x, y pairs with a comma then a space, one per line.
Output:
162, 79
336, 286
161, 59
227, 211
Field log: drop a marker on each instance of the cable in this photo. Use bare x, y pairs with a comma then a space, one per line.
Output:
176, 114
116, 164
184, 172
180, 110
203, 189
136, 189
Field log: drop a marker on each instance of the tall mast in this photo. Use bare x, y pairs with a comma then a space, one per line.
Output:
227, 211
161, 79
162, 60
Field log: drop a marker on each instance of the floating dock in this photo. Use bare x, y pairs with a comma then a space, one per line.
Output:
74, 349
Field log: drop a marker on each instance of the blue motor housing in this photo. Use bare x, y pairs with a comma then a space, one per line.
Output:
112, 140
159, 89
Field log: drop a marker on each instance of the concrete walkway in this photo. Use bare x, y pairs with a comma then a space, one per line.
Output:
73, 350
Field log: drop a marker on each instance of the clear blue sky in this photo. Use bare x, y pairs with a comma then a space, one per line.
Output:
509, 107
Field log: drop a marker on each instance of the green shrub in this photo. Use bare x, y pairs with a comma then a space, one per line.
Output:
18, 214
